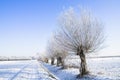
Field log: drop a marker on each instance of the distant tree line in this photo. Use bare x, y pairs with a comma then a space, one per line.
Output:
14, 58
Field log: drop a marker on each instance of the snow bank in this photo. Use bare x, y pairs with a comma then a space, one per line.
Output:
100, 69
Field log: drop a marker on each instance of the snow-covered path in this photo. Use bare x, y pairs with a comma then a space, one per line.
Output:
24, 70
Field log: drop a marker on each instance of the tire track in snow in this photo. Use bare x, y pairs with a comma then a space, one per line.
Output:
30, 70
14, 76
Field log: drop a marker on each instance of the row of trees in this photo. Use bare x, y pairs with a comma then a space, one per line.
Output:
78, 32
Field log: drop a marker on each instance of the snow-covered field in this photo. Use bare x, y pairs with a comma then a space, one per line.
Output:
100, 69
24, 70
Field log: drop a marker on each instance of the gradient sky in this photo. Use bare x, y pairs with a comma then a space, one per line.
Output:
26, 25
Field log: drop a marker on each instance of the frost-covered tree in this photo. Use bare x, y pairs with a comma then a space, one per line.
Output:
51, 52
54, 51
43, 57
81, 33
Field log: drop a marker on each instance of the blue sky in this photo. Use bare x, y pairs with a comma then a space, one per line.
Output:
26, 25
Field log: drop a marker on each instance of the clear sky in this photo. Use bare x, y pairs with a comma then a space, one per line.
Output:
26, 25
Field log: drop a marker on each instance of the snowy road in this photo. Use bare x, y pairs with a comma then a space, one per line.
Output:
24, 70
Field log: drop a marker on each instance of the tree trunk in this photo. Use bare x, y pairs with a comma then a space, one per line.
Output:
83, 65
46, 60
52, 61
59, 61
63, 64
